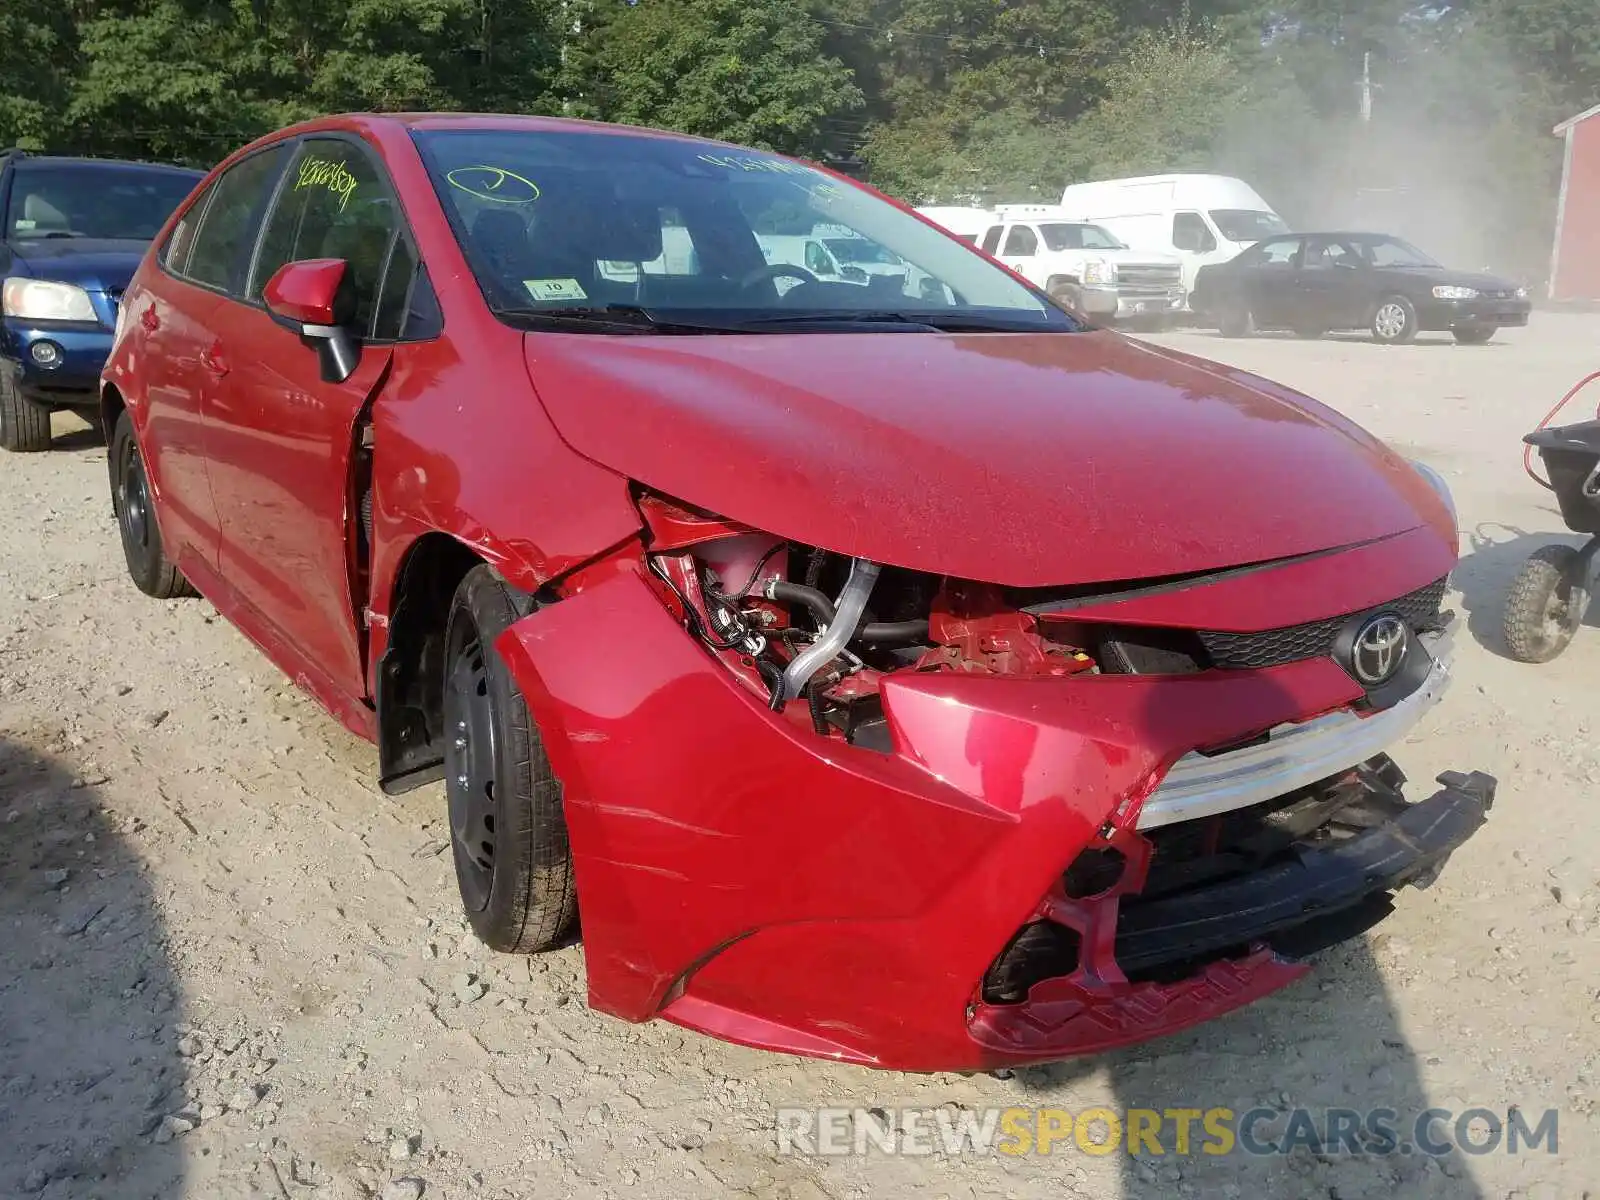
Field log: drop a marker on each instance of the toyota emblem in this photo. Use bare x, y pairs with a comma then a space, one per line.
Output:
1379, 650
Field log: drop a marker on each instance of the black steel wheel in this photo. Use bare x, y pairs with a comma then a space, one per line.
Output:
1546, 604
508, 833
132, 502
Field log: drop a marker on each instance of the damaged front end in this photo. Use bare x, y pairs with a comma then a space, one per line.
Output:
826, 806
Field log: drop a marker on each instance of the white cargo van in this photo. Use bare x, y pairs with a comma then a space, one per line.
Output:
967, 224
1203, 219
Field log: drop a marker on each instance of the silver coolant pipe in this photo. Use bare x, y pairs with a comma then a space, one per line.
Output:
850, 608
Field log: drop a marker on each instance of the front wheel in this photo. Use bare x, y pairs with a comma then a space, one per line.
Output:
1237, 322
1474, 335
508, 831
24, 425
1394, 322
1546, 604
1068, 296
142, 547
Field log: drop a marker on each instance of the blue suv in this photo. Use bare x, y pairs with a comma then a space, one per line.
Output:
72, 230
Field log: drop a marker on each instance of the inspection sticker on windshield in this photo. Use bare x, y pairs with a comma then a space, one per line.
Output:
555, 289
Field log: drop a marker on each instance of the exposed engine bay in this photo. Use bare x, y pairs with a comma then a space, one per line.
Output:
802, 625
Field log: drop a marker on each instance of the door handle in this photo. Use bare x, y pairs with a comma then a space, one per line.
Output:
213, 361
149, 319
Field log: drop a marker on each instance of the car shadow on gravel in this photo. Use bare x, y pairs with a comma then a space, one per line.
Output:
1493, 555
88, 997
1332, 1041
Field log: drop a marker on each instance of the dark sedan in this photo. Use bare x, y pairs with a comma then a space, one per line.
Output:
1313, 282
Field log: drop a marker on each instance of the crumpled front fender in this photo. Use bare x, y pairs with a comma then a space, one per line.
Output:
740, 874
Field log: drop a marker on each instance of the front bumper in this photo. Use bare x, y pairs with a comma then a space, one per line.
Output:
73, 379
1124, 302
1436, 316
739, 876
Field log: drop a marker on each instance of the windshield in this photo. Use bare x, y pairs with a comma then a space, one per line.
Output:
1078, 237
86, 200
1247, 225
1392, 252
695, 235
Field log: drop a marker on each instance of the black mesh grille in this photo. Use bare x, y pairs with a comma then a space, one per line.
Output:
1274, 647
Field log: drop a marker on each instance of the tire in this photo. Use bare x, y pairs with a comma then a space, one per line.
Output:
1475, 335
142, 547
24, 425
1546, 605
1237, 323
508, 833
1067, 294
1394, 321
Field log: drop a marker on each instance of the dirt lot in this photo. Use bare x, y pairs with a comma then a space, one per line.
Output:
229, 967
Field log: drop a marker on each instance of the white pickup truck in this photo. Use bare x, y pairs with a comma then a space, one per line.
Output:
1083, 265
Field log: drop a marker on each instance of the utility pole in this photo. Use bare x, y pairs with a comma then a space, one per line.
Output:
1366, 88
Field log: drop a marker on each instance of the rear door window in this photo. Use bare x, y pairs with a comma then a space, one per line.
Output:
220, 253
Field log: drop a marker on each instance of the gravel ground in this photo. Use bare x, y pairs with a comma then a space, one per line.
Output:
230, 967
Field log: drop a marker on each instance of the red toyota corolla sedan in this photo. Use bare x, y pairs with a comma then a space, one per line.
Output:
885, 665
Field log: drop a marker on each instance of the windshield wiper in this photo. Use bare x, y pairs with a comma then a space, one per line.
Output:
610, 318
927, 322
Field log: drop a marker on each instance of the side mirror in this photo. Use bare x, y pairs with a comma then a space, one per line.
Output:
854, 274
313, 297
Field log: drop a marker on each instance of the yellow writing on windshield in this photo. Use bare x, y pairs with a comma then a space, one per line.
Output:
325, 173
495, 184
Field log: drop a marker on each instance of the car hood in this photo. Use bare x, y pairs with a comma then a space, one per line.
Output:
96, 264
1443, 277
1015, 459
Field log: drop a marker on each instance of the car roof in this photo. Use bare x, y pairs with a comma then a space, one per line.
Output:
27, 159
488, 121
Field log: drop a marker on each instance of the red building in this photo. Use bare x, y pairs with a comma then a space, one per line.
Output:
1575, 262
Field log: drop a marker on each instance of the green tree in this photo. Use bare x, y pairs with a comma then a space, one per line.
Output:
36, 53
748, 71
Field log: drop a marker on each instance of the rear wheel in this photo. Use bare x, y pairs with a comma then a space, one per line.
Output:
508, 831
1546, 604
1474, 335
146, 556
1394, 321
24, 425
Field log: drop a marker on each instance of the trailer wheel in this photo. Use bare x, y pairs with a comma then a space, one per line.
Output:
1546, 604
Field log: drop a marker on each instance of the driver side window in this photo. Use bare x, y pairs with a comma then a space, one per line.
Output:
1190, 232
1022, 241
333, 203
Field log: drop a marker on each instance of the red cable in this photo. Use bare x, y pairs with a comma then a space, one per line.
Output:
1527, 451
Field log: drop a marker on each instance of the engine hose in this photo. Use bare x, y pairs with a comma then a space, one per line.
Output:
879, 633
893, 633
852, 604
808, 597
1527, 451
